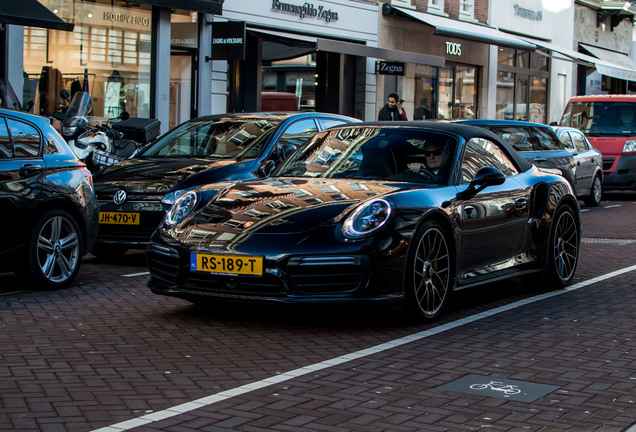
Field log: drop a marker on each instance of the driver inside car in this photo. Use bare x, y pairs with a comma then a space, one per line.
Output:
434, 165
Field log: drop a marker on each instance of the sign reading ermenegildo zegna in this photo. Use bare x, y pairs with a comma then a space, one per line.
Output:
528, 13
305, 10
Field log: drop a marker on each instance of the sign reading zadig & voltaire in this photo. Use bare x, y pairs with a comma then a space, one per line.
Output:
305, 10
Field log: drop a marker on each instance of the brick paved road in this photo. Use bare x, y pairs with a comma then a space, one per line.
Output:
106, 350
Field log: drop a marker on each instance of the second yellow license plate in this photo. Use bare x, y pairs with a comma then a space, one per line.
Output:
119, 218
227, 264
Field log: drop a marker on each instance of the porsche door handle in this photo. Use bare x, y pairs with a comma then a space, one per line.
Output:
29, 170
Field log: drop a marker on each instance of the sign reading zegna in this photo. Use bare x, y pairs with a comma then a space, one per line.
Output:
390, 68
306, 10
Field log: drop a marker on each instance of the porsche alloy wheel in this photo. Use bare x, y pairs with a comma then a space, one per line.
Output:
54, 250
430, 272
564, 247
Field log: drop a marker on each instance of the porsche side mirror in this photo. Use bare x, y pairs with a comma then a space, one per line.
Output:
485, 177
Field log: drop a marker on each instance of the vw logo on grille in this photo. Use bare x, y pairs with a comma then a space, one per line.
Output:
119, 197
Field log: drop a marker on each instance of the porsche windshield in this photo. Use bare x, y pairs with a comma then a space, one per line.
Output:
383, 153
223, 139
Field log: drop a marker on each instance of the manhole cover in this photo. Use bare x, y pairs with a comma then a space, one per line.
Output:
521, 391
609, 241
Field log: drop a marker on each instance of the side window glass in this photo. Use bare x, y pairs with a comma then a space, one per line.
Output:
51, 141
5, 141
26, 139
566, 140
546, 140
579, 141
482, 153
519, 138
298, 132
327, 123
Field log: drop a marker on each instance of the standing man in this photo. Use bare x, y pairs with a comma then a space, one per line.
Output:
393, 110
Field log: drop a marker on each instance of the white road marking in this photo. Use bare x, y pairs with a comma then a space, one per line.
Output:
611, 206
135, 274
286, 376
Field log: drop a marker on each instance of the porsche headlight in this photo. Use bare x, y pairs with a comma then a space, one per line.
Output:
171, 197
367, 218
181, 208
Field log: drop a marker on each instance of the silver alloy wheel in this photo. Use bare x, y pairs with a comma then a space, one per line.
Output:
565, 246
431, 272
58, 249
597, 190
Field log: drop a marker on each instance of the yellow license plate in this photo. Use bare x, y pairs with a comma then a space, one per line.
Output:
118, 218
227, 264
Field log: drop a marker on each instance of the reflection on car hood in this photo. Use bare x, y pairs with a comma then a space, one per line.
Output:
279, 206
153, 175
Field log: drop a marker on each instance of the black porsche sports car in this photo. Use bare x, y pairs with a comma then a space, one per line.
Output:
402, 213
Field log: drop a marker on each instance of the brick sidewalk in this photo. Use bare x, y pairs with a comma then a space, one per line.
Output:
106, 350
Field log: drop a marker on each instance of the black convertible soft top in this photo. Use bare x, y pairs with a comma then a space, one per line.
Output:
465, 131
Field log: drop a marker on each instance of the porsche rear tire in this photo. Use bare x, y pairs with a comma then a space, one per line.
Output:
429, 280
563, 255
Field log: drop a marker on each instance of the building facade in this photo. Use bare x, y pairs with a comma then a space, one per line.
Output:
174, 59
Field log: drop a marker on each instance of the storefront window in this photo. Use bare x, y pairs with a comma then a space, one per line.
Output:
466, 92
107, 54
184, 41
521, 98
538, 99
445, 101
296, 76
505, 95
506, 56
522, 87
425, 98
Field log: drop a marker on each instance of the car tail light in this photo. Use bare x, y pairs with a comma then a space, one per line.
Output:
86, 172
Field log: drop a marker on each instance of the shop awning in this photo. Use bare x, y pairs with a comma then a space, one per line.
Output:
289, 45
214, 7
460, 29
31, 13
610, 63
614, 64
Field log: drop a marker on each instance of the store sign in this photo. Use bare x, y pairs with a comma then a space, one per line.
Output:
228, 40
184, 35
306, 10
453, 48
528, 13
126, 18
390, 68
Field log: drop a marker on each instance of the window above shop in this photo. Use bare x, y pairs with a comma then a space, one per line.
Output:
467, 8
436, 7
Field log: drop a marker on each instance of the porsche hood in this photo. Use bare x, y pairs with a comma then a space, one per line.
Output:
277, 206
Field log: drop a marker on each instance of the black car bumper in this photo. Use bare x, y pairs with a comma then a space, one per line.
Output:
623, 176
299, 279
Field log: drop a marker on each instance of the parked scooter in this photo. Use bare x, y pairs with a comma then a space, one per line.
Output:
101, 145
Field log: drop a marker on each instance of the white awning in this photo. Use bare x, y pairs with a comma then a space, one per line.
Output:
289, 45
619, 64
460, 29
616, 65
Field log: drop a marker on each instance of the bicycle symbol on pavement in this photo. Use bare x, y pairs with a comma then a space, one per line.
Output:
507, 389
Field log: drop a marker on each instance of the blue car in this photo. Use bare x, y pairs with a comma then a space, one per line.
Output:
135, 193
